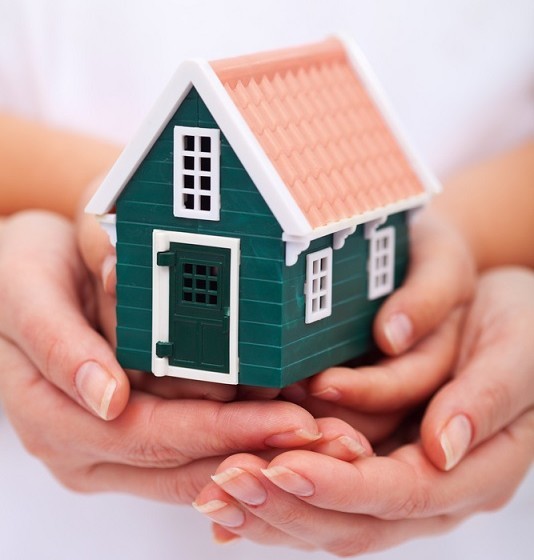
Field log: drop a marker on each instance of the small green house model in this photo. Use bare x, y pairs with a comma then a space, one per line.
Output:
260, 218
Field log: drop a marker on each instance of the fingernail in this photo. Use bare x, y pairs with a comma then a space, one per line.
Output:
108, 266
291, 439
345, 448
289, 481
328, 394
221, 512
242, 485
399, 332
455, 440
96, 387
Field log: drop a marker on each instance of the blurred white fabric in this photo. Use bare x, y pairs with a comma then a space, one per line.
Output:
460, 74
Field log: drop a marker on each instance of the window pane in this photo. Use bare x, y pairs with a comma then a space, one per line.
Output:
189, 182
189, 143
205, 144
189, 201
205, 203
205, 164
189, 162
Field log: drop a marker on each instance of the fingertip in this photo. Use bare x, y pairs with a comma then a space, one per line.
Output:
120, 398
397, 333
446, 439
104, 393
108, 274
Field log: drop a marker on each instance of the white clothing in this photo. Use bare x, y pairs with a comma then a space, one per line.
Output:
460, 74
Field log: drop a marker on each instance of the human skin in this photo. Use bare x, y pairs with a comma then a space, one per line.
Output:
141, 442
482, 212
311, 500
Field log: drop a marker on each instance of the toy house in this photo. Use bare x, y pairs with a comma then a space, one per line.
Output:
260, 217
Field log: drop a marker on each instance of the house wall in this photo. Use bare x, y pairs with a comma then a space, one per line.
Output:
347, 333
273, 336
146, 204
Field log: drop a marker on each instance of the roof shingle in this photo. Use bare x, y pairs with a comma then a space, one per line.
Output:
321, 130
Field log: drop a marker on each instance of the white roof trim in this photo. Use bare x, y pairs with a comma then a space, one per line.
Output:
296, 227
364, 70
199, 74
342, 229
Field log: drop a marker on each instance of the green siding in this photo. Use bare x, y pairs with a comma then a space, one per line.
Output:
276, 347
146, 204
347, 332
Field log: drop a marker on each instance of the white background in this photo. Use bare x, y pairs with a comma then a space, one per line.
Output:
460, 74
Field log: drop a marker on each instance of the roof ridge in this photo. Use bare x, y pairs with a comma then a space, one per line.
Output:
244, 68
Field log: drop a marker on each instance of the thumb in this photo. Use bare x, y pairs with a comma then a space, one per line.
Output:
95, 246
486, 396
441, 277
494, 382
45, 290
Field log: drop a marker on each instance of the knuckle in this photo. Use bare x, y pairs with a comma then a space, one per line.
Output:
289, 519
495, 402
153, 454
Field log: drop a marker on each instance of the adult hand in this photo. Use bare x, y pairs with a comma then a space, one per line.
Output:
50, 357
310, 500
493, 382
417, 326
377, 502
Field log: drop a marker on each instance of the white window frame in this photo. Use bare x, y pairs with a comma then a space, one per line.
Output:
195, 175
318, 288
381, 266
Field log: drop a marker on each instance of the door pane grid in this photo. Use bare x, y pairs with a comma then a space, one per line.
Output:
200, 284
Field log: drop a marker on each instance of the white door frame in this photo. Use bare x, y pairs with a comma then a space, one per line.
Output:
161, 241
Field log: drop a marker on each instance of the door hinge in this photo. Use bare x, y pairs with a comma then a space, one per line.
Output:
164, 349
166, 258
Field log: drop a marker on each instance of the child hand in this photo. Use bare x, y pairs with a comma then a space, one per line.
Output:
310, 500
377, 502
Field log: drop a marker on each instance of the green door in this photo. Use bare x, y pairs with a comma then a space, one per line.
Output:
199, 300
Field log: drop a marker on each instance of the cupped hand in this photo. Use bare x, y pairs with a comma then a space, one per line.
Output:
312, 500
418, 326
59, 379
493, 382
47, 309
157, 448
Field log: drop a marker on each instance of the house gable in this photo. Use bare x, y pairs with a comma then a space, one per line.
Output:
146, 203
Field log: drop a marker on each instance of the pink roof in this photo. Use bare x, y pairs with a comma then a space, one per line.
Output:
321, 129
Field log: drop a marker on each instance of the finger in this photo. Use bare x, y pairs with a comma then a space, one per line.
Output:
254, 507
341, 441
43, 294
495, 381
441, 277
151, 432
405, 484
375, 426
226, 511
175, 388
95, 246
397, 383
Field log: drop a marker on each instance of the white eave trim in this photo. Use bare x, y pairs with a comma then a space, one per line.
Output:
342, 229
